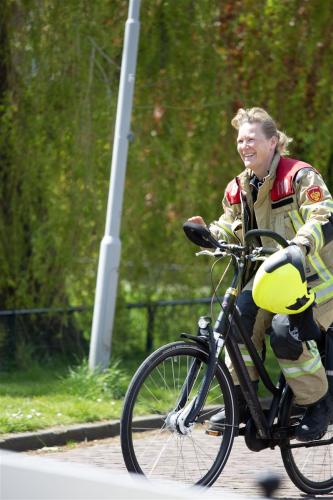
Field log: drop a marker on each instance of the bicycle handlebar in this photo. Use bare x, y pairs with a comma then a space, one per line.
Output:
201, 236
255, 233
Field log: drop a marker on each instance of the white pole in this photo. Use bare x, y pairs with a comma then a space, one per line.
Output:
107, 274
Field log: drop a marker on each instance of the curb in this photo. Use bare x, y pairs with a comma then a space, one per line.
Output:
59, 436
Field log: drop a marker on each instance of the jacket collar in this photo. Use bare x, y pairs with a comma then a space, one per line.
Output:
245, 177
274, 164
272, 169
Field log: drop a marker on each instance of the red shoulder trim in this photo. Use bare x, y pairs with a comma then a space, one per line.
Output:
232, 192
285, 173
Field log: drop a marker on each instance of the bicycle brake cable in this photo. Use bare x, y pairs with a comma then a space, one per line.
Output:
215, 289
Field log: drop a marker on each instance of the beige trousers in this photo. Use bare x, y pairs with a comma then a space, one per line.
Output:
306, 376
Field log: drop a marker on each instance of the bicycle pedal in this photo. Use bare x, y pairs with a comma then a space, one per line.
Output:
211, 432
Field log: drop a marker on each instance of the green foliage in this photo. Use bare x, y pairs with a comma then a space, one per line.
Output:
197, 63
108, 384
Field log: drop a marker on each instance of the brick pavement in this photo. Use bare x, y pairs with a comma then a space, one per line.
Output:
239, 475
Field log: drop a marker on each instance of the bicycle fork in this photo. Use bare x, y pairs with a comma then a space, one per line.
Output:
182, 418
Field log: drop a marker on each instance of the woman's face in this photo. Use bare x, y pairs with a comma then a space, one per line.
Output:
255, 149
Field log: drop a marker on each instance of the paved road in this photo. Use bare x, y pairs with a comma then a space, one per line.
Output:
239, 474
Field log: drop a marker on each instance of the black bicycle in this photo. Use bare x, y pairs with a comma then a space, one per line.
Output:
165, 421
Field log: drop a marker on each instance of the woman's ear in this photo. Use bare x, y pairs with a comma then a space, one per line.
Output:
274, 141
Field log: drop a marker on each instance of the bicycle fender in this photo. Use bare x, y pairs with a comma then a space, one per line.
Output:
201, 340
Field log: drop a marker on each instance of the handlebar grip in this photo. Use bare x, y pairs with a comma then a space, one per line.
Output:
257, 233
200, 235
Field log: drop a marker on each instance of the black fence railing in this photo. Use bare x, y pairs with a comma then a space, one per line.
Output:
41, 333
66, 330
152, 308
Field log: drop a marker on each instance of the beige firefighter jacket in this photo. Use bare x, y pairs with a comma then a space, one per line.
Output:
294, 201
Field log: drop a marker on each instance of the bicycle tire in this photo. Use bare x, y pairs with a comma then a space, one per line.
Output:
309, 468
159, 452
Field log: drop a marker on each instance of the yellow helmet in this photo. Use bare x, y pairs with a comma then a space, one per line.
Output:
280, 285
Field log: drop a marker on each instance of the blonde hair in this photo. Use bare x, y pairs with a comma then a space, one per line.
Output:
259, 115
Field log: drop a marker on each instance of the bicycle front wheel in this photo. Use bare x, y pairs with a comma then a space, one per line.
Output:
309, 465
159, 450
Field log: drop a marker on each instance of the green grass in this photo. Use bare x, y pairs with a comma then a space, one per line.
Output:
41, 397
55, 395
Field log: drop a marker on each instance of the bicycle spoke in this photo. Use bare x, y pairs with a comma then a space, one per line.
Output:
159, 456
196, 454
203, 452
166, 385
151, 393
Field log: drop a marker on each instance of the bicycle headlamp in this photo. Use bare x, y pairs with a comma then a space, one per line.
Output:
280, 285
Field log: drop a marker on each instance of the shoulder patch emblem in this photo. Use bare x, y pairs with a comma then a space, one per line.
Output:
314, 194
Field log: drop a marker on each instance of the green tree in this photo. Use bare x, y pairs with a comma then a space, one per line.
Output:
198, 63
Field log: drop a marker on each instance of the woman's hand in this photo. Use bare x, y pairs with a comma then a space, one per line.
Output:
197, 219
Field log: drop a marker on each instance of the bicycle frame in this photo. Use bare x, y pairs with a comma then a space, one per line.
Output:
219, 337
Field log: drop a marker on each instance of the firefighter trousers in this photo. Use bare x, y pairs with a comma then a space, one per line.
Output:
299, 361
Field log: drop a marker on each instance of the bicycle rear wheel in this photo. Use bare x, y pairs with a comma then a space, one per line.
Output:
153, 447
309, 465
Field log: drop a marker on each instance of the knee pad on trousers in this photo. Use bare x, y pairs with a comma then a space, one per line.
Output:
284, 345
247, 310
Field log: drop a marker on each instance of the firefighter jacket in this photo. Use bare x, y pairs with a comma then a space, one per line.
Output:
293, 201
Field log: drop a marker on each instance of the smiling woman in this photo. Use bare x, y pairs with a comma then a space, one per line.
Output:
290, 197
258, 139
